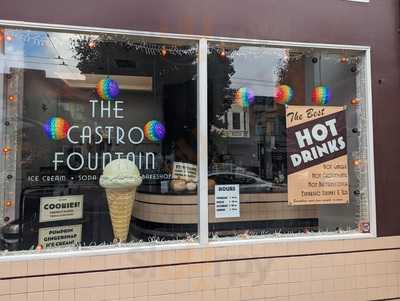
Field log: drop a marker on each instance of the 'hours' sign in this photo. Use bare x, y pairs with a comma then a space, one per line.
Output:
227, 201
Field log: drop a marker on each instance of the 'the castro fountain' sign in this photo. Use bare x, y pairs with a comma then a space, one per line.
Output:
106, 109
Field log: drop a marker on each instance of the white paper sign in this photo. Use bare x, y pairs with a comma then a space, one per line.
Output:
184, 171
60, 237
60, 208
227, 201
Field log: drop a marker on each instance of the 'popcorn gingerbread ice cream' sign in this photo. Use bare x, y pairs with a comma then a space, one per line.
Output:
317, 155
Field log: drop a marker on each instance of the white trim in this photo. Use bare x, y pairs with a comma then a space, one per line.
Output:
364, 1
60, 27
203, 144
370, 142
202, 139
110, 250
244, 122
333, 237
96, 251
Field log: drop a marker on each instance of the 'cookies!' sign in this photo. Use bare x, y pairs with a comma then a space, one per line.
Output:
60, 208
317, 155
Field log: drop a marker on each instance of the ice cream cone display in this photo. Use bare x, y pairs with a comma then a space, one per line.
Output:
120, 205
120, 179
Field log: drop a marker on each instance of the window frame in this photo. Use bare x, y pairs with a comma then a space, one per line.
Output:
362, 1
202, 139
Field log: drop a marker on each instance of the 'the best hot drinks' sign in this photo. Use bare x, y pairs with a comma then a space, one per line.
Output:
317, 155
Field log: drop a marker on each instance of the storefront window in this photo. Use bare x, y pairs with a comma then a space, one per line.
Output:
100, 136
99, 139
287, 134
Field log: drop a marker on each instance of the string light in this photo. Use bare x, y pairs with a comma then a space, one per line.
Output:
222, 53
8, 203
364, 227
344, 59
147, 48
12, 98
151, 49
163, 51
6, 150
286, 55
355, 101
356, 162
9, 38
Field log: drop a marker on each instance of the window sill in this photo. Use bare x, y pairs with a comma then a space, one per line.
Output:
175, 246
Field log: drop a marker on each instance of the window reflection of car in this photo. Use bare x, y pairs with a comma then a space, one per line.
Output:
247, 182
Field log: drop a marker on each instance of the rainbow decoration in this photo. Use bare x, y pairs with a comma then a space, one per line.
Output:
56, 128
107, 89
244, 97
321, 95
283, 94
154, 130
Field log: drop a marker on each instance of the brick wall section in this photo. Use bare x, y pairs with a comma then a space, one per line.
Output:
367, 269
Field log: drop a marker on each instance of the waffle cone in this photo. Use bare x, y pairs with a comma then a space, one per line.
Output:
120, 204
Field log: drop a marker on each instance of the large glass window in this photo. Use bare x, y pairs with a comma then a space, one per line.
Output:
287, 153
98, 139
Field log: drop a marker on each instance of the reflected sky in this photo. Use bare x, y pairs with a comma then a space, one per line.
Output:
38, 50
257, 68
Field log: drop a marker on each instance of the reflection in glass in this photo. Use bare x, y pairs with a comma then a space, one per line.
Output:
67, 121
248, 88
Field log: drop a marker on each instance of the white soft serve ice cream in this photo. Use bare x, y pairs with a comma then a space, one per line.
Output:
120, 173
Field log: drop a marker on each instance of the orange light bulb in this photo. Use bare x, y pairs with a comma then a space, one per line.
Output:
12, 98
92, 44
344, 59
6, 149
355, 101
356, 162
8, 203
